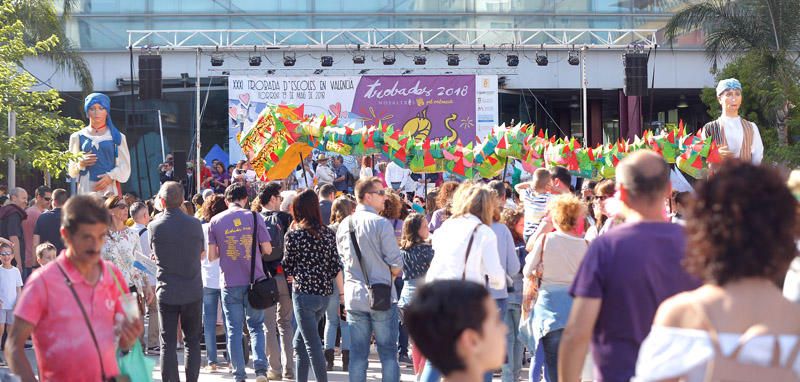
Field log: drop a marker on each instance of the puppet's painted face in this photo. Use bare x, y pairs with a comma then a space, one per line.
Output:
97, 115
731, 100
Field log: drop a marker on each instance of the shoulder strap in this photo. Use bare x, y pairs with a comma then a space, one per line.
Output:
142, 231
746, 151
254, 247
469, 248
85, 318
754, 331
354, 243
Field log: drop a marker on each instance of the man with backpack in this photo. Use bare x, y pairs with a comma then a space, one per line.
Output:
277, 223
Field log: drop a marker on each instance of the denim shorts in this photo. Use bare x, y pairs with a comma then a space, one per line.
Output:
6, 316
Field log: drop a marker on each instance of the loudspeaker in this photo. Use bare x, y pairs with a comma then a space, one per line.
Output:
635, 73
179, 166
149, 77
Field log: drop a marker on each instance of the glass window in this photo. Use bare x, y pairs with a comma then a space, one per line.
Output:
353, 6
106, 32
190, 6
424, 6
111, 6
275, 6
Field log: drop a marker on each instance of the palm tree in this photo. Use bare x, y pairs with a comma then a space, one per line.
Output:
42, 20
764, 30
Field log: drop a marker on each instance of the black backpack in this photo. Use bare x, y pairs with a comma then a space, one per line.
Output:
276, 230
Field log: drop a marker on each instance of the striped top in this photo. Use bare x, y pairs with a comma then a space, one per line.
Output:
535, 207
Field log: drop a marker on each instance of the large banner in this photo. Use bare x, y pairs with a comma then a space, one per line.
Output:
458, 106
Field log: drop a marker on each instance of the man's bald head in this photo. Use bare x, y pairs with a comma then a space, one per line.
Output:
644, 175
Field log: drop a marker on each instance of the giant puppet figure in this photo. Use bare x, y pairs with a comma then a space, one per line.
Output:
106, 161
735, 136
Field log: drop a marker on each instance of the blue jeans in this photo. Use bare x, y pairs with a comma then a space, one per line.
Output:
384, 324
514, 344
402, 349
550, 344
308, 309
236, 308
332, 322
211, 300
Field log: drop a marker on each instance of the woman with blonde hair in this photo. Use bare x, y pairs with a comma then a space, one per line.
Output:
466, 246
552, 265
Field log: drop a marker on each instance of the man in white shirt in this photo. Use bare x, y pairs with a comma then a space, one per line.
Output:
736, 137
141, 218
396, 175
325, 174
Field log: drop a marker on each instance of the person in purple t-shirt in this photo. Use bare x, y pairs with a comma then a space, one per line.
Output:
230, 239
625, 275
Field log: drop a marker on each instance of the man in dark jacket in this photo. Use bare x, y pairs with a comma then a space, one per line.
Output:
11, 217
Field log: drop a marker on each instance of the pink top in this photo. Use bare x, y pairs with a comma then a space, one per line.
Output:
61, 340
27, 231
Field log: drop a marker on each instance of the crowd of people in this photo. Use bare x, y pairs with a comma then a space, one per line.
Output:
468, 280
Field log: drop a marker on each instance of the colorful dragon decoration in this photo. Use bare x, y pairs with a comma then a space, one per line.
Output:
281, 132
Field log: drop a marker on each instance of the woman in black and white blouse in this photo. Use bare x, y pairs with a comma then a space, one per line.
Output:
311, 259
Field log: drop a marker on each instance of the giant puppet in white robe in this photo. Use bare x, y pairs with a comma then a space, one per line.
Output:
735, 136
106, 161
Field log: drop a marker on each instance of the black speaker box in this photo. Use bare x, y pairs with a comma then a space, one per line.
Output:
635, 73
149, 77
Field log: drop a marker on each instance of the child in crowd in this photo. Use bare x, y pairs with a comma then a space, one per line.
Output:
45, 253
10, 286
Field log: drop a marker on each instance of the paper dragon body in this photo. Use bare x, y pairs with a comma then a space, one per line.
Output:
283, 133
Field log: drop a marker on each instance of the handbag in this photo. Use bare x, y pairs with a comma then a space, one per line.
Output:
380, 295
134, 365
263, 293
532, 283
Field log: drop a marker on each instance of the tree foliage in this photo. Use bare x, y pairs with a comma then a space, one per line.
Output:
764, 31
41, 131
41, 19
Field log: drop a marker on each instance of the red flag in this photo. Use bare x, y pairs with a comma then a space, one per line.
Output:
502, 143
458, 168
334, 121
541, 133
300, 111
614, 160
553, 139
426, 145
591, 154
680, 124
347, 129
428, 159
713, 154
274, 157
401, 154
671, 136
698, 163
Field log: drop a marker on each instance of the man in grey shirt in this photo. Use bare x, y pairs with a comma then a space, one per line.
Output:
383, 262
177, 242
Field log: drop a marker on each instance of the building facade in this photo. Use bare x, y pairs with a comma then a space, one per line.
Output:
549, 96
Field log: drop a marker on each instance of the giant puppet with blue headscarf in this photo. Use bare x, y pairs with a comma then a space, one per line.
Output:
106, 161
735, 136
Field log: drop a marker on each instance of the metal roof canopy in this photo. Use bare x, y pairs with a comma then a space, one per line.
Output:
404, 39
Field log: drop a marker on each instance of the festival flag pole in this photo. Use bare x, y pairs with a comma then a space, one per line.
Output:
505, 167
305, 175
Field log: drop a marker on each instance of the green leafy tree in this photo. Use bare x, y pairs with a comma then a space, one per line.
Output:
757, 102
765, 31
41, 131
43, 19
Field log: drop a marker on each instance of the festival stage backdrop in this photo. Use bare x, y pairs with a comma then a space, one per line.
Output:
459, 106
